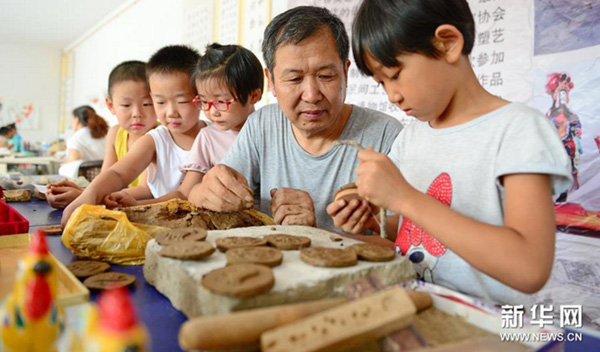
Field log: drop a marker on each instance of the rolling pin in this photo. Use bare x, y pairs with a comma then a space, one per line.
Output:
244, 328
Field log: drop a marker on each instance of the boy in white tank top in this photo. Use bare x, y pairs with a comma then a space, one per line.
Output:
163, 149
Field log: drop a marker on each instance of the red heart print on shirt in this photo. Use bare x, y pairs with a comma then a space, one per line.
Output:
412, 235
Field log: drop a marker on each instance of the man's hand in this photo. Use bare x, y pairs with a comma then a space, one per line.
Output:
291, 206
352, 216
222, 189
119, 199
60, 194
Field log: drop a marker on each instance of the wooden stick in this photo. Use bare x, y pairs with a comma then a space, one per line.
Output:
244, 328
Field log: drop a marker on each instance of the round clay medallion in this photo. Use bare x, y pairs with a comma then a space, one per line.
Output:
287, 242
187, 250
372, 252
52, 230
173, 236
348, 192
328, 257
254, 255
87, 268
109, 280
240, 280
224, 244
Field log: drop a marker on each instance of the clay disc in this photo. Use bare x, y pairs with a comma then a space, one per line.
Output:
287, 242
224, 244
173, 236
254, 255
109, 280
52, 230
87, 268
240, 280
188, 250
373, 252
328, 257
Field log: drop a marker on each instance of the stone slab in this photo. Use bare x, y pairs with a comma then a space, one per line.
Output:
295, 281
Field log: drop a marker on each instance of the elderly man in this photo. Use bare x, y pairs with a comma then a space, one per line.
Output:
284, 158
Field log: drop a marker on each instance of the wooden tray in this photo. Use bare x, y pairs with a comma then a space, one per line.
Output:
12, 247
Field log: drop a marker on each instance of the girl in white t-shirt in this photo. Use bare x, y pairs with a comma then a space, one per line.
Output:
472, 179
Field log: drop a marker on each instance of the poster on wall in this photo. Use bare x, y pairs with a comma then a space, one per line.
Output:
567, 86
256, 15
501, 56
229, 17
196, 33
566, 25
23, 114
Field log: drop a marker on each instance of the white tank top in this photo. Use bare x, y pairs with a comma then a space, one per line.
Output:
164, 176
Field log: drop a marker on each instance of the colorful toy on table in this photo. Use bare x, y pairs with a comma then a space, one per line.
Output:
111, 326
29, 317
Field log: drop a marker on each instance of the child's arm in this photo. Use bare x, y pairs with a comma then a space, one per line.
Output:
182, 192
522, 250
116, 177
60, 194
110, 156
128, 197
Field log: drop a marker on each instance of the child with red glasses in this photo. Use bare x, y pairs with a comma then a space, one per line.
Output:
229, 80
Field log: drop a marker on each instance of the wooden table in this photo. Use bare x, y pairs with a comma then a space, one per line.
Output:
52, 164
154, 309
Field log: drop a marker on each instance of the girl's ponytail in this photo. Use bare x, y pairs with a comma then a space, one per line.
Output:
97, 125
88, 118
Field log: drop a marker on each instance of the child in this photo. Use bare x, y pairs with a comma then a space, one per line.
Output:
229, 80
473, 178
4, 137
129, 99
164, 148
12, 140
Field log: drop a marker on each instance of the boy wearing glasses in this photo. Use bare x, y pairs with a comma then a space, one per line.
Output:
163, 149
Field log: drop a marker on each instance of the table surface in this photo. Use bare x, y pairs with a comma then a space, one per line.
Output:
154, 309
28, 160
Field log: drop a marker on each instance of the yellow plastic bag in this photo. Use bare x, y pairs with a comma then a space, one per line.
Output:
98, 233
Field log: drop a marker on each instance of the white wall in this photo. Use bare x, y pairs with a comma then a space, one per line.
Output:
32, 74
134, 34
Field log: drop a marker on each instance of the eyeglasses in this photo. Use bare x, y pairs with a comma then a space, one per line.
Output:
220, 105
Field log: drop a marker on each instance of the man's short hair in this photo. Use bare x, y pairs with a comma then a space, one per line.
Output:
126, 71
299, 23
171, 59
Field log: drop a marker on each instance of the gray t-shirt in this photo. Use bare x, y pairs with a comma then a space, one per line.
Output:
461, 166
267, 154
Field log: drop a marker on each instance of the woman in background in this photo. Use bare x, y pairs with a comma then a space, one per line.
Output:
89, 142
